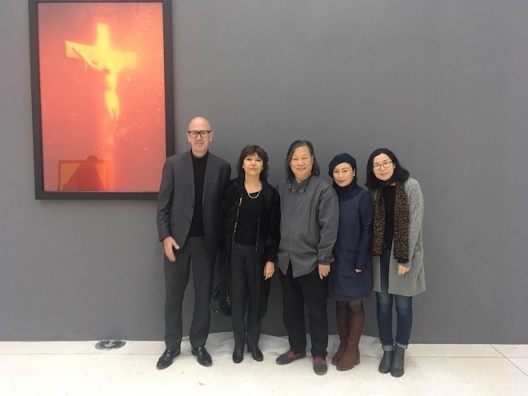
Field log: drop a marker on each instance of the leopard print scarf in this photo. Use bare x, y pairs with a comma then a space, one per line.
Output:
401, 224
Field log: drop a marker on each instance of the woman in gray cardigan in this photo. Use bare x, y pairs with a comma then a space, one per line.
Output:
397, 250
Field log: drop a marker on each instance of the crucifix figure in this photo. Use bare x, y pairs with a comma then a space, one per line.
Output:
104, 58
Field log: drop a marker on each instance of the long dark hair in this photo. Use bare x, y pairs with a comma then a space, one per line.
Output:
289, 155
400, 174
253, 149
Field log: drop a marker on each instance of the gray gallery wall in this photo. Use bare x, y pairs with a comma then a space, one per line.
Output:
442, 83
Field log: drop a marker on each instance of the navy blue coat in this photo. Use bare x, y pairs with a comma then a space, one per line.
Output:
352, 247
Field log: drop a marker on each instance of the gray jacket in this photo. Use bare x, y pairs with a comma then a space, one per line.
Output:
413, 282
176, 198
309, 224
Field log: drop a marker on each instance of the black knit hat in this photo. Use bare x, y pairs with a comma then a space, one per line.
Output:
339, 159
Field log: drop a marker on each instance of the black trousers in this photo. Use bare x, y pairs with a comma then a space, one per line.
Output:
308, 289
193, 254
246, 279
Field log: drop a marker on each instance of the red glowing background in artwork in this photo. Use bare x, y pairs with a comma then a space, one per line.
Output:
102, 96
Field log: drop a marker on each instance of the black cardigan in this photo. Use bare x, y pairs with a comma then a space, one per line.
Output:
268, 232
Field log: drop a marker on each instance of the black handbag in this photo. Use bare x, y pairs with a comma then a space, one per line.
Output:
221, 295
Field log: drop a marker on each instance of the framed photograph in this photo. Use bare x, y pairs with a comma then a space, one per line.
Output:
102, 90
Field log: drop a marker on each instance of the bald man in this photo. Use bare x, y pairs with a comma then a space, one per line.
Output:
188, 226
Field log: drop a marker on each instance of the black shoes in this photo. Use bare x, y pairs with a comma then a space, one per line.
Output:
168, 356
256, 353
202, 356
238, 355
166, 359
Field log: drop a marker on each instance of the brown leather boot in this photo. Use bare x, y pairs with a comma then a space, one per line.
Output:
351, 356
342, 331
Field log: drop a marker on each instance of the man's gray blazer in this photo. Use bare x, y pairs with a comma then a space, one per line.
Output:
176, 198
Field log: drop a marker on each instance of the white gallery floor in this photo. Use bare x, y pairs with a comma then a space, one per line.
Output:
78, 368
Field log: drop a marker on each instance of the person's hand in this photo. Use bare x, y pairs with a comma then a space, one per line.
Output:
402, 269
169, 245
269, 269
324, 270
358, 271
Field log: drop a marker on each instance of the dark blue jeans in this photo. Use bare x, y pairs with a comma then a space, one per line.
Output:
384, 309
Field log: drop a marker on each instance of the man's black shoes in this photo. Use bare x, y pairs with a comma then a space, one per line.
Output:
166, 359
202, 356
168, 356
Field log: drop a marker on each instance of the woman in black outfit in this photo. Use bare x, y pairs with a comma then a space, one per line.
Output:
251, 213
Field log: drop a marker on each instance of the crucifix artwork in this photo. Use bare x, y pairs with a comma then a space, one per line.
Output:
103, 97
109, 61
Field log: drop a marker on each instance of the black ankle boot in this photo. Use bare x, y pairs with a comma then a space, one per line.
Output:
386, 362
397, 368
238, 355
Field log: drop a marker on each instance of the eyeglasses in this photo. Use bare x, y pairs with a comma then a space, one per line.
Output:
194, 134
384, 164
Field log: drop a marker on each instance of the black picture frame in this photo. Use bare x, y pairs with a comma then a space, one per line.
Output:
102, 97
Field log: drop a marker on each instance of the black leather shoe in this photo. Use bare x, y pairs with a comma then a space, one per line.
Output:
256, 353
202, 356
166, 359
238, 355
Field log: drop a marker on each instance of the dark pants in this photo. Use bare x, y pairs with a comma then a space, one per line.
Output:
246, 279
384, 309
193, 255
296, 292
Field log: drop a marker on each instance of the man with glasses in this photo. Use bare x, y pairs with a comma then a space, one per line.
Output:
188, 226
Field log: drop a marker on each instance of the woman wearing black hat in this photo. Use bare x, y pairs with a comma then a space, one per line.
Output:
350, 281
